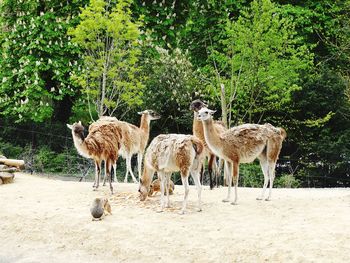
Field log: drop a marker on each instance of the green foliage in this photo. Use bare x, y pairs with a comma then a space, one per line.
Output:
169, 87
37, 57
286, 181
110, 40
9, 150
261, 63
163, 20
251, 175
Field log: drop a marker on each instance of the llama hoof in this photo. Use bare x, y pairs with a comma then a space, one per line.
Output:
94, 189
160, 211
226, 200
259, 198
199, 209
267, 199
181, 212
125, 181
233, 203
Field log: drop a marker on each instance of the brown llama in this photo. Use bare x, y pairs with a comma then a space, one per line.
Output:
243, 144
100, 144
198, 131
171, 153
134, 139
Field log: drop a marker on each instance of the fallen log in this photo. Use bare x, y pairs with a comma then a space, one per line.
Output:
6, 178
13, 162
9, 170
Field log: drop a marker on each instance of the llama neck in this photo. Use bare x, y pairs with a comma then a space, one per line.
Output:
80, 146
197, 124
211, 136
144, 125
146, 178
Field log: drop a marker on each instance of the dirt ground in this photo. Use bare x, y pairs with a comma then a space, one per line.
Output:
47, 220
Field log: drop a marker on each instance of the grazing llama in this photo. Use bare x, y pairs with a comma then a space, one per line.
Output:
133, 139
243, 144
100, 144
171, 153
198, 131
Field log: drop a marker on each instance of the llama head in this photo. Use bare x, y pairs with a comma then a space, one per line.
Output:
77, 129
196, 105
152, 115
143, 190
205, 114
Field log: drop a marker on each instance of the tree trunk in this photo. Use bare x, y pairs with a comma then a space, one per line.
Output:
223, 104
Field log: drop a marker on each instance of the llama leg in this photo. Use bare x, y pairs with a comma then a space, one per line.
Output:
184, 179
115, 172
161, 177
271, 170
104, 178
139, 164
108, 172
235, 181
167, 186
228, 171
97, 175
210, 171
195, 176
264, 167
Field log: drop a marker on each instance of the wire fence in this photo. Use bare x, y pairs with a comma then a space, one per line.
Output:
69, 163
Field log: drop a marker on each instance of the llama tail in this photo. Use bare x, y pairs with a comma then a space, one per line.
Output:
283, 133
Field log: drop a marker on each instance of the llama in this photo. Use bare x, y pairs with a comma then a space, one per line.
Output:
100, 144
170, 153
243, 144
198, 131
133, 139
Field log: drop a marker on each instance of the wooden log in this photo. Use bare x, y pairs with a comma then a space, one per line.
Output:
9, 170
13, 162
6, 178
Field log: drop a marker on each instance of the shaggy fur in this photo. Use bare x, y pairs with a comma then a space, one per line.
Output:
170, 153
133, 139
100, 144
243, 144
198, 131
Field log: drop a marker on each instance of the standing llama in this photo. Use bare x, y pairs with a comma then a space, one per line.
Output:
243, 144
100, 144
198, 131
171, 153
133, 139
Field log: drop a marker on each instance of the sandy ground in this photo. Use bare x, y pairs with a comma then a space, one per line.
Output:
46, 220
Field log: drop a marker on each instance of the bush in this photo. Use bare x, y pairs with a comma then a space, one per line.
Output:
9, 150
286, 181
251, 175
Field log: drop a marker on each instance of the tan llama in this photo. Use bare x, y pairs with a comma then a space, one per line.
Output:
171, 153
243, 144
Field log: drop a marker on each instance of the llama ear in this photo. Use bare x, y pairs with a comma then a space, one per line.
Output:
140, 112
79, 123
212, 112
70, 126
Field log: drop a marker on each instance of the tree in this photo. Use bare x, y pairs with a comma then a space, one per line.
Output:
37, 58
110, 41
260, 66
171, 83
